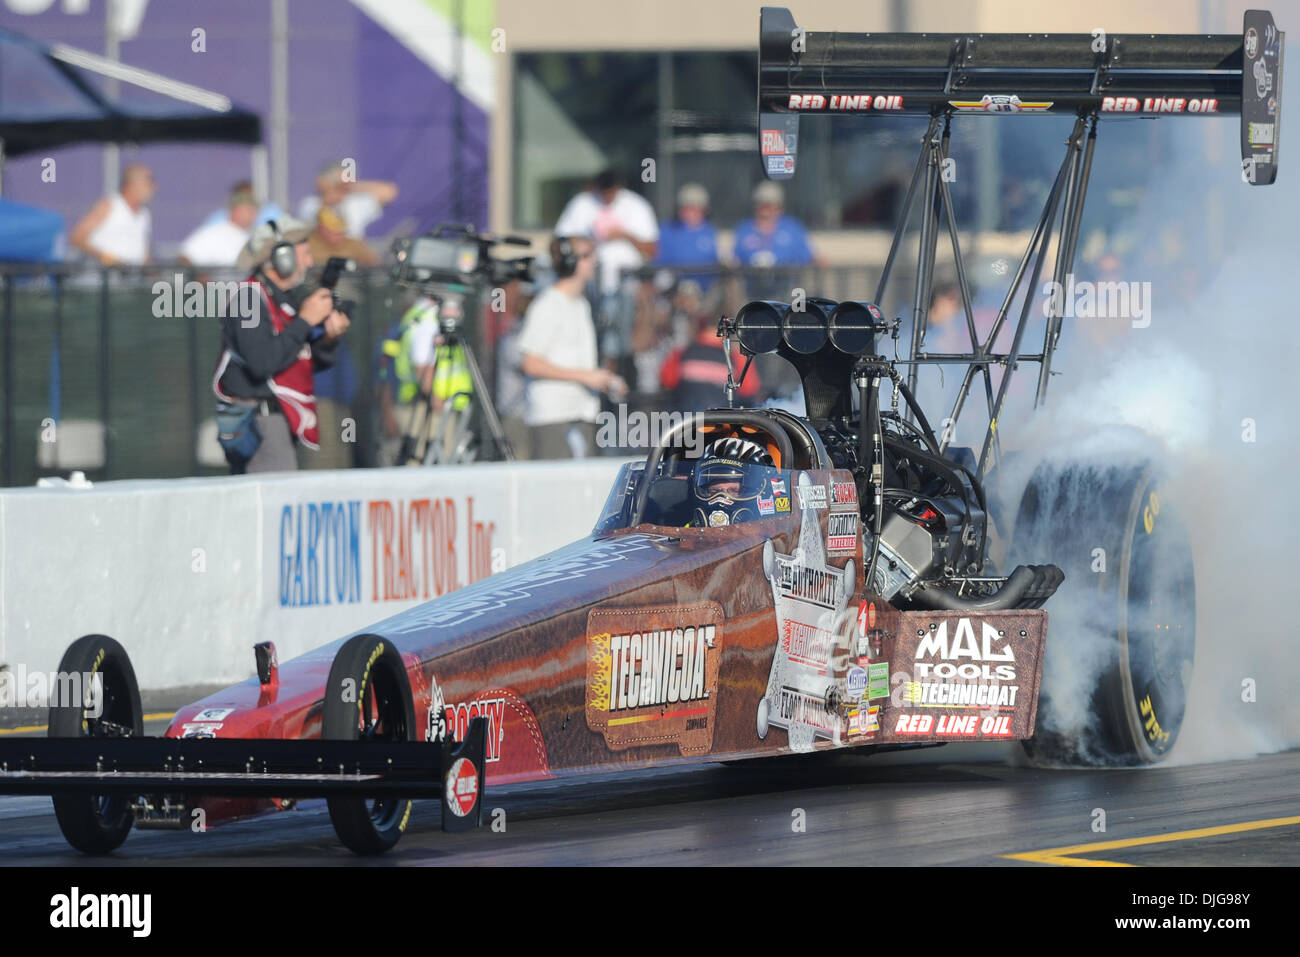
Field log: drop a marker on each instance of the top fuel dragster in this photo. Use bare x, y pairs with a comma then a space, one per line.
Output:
807, 583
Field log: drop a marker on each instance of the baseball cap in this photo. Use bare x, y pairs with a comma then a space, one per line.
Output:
693, 194
258, 249
769, 192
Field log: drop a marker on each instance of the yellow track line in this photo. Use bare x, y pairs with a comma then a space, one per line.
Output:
27, 729
1063, 855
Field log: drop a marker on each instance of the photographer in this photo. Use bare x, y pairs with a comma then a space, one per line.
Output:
264, 377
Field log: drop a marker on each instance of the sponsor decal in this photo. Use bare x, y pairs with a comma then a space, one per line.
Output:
812, 496
960, 725
508, 716
718, 518
1263, 79
213, 714
975, 676
878, 680
766, 506
456, 718
462, 786
842, 533
1158, 104
778, 486
1000, 103
783, 503
965, 694
814, 629
991, 646
864, 721
866, 617
857, 102
205, 730
844, 493
1252, 43
780, 164
652, 675
1260, 134
855, 683
795, 707
807, 645
816, 586
774, 143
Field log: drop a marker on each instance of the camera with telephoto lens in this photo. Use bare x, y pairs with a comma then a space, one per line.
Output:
457, 254
334, 269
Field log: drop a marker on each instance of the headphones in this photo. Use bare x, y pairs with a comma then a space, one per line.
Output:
283, 258
564, 258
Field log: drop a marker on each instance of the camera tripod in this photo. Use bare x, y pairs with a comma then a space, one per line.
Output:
454, 441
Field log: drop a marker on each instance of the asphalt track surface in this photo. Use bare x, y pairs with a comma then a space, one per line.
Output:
956, 805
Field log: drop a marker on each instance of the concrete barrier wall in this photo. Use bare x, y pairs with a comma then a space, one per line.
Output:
189, 574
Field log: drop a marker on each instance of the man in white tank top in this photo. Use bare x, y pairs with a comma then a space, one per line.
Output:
116, 230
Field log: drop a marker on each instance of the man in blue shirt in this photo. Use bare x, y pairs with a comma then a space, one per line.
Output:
771, 238
690, 241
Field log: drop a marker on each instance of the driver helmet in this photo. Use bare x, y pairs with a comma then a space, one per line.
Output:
727, 482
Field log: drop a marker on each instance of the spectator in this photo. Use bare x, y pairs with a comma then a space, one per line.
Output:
771, 238
268, 210
218, 244
268, 361
665, 320
626, 232
696, 376
558, 349
690, 240
358, 202
502, 329
330, 238
116, 229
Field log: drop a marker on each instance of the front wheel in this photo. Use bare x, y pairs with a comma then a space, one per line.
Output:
368, 698
110, 708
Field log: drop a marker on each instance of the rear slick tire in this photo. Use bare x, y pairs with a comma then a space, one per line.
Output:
1127, 612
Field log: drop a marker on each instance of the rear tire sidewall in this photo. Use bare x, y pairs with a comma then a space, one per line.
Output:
366, 660
1146, 712
1139, 563
91, 824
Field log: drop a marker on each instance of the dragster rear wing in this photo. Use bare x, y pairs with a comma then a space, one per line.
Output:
1094, 74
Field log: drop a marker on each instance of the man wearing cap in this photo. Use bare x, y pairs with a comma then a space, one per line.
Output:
690, 240
359, 202
268, 359
772, 238
217, 244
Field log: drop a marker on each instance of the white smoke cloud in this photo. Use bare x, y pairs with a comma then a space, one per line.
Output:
1211, 383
